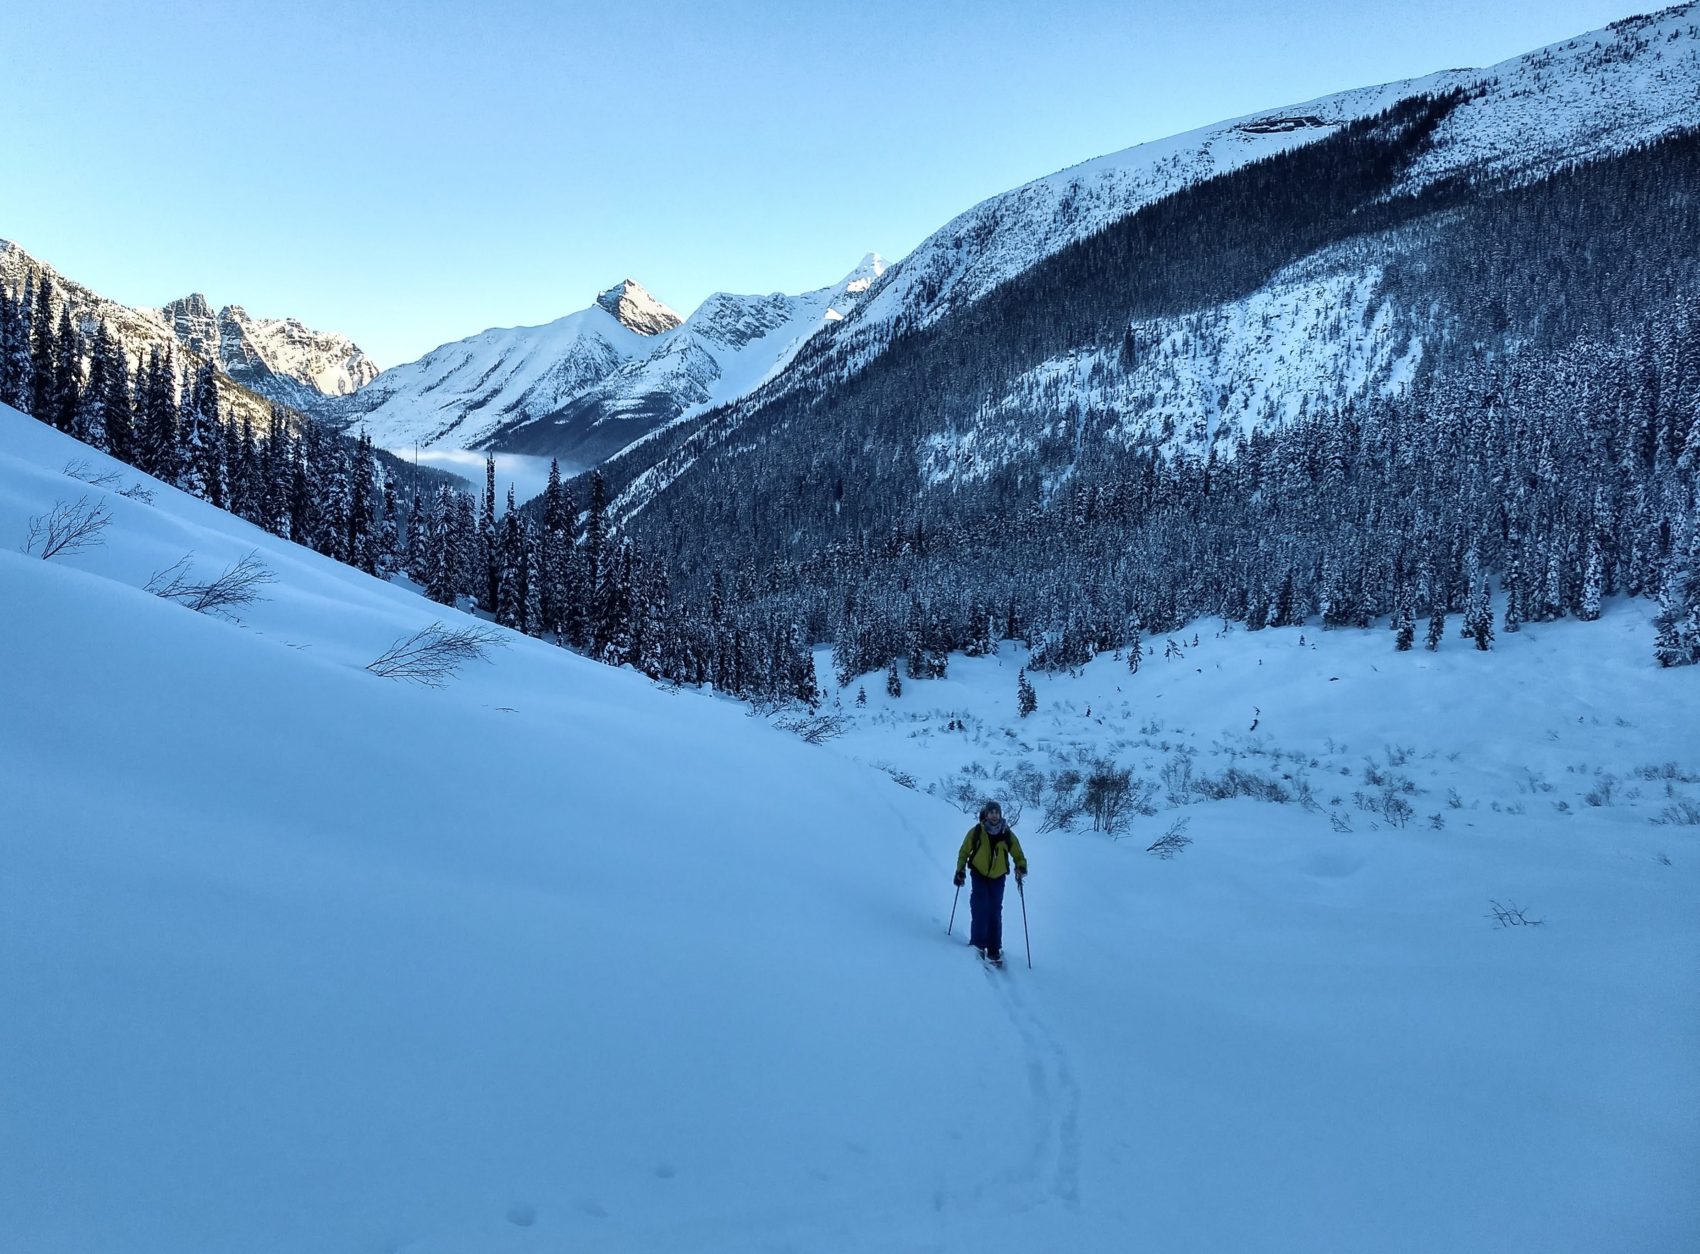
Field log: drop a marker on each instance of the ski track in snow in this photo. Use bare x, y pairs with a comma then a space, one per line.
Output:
482, 1028
1053, 1167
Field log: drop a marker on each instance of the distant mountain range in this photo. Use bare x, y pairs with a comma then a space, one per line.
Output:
1354, 358
586, 385
276, 357
629, 384
271, 360
613, 375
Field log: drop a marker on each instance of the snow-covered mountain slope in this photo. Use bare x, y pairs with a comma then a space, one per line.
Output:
595, 380
729, 346
1589, 96
460, 395
274, 359
277, 357
1313, 331
1320, 332
299, 958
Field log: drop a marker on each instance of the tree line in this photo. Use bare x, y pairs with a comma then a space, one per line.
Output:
550, 571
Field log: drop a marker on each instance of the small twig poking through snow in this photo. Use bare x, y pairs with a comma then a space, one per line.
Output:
70, 527
902, 778
232, 590
80, 469
432, 655
815, 729
1172, 841
1511, 915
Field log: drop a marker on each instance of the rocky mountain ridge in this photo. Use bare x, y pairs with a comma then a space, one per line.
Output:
279, 359
593, 382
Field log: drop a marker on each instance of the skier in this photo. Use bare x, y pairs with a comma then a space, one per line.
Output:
986, 851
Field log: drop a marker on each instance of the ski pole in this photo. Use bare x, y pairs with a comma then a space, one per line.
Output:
953, 902
1021, 890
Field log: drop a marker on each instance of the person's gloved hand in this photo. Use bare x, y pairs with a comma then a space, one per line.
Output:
960, 879
1020, 874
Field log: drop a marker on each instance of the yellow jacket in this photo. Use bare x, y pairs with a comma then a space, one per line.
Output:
989, 854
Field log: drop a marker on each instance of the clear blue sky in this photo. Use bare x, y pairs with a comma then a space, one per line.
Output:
413, 172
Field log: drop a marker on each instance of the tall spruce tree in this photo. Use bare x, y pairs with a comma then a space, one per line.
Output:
14, 351
20, 371
44, 353
489, 541
68, 376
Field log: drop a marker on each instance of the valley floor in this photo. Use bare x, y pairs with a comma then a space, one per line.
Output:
295, 958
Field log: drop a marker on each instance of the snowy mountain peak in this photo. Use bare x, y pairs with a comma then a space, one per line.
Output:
278, 357
636, 310
867, 270
194, 323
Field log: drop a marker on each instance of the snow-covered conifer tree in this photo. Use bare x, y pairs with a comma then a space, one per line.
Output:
44, 353
68, 375
1436, 628
509, 604
1593, 585
1678, 622
1478, 622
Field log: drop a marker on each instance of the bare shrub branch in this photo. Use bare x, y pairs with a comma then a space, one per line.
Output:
1108, 796
170, 582
1065, 802
432, 655
68, 528
1172, 841
236, 587
1683, 812
80, 469
963, 794
1511, 915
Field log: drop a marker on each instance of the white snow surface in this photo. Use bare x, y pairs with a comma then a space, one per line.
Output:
458, 395
1321, 332
295, 958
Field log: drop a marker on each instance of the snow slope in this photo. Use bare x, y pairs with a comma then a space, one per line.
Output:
1321, 332
459, 395
298, 958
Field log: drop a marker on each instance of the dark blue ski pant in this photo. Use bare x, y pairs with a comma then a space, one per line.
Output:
985, 905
